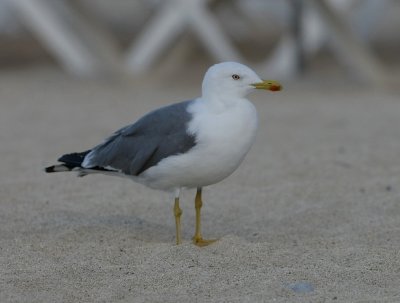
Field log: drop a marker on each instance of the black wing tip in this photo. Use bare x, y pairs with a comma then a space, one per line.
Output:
59, 168
50, 169
70, 161
73, 158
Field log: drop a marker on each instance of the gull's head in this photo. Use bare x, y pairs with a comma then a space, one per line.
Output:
233, 80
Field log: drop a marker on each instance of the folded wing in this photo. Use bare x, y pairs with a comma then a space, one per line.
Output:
137, 147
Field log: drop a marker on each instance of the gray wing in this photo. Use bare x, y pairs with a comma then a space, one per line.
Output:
137, 147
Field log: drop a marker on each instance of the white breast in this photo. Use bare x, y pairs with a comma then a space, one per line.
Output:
223, 138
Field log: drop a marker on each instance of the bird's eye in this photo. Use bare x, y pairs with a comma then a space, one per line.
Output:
235, 77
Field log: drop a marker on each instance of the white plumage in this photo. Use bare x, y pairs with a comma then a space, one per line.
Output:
185, 145
223, 138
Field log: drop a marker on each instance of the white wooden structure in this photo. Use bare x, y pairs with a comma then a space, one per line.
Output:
86, 49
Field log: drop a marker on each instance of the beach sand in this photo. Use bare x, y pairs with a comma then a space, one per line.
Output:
312, 214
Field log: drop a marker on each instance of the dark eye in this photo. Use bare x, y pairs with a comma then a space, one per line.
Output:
235, 77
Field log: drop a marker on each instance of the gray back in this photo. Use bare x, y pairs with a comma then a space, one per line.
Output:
137, 147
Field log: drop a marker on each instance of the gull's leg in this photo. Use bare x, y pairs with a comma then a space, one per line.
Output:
198, 238
177, 214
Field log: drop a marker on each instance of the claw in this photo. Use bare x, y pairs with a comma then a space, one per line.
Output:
200, 242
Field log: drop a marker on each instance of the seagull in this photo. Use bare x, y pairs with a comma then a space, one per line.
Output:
191, 144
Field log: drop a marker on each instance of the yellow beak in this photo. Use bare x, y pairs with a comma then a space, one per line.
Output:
268, 85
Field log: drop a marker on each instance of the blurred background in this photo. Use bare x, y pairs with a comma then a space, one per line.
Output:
352, 40
317, 198
87, 67
79, 69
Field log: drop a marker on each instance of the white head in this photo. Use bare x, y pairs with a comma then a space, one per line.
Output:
233, 80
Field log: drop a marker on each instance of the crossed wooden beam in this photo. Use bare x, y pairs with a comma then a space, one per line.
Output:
86, 49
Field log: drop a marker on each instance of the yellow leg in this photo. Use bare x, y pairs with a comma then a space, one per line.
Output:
178, 213
198, 238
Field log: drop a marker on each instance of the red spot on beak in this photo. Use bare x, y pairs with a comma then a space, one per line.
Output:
275, 88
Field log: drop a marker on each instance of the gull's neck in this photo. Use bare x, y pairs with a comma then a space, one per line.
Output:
221, 102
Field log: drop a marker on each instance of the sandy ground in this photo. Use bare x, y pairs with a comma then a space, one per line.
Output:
312, 215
